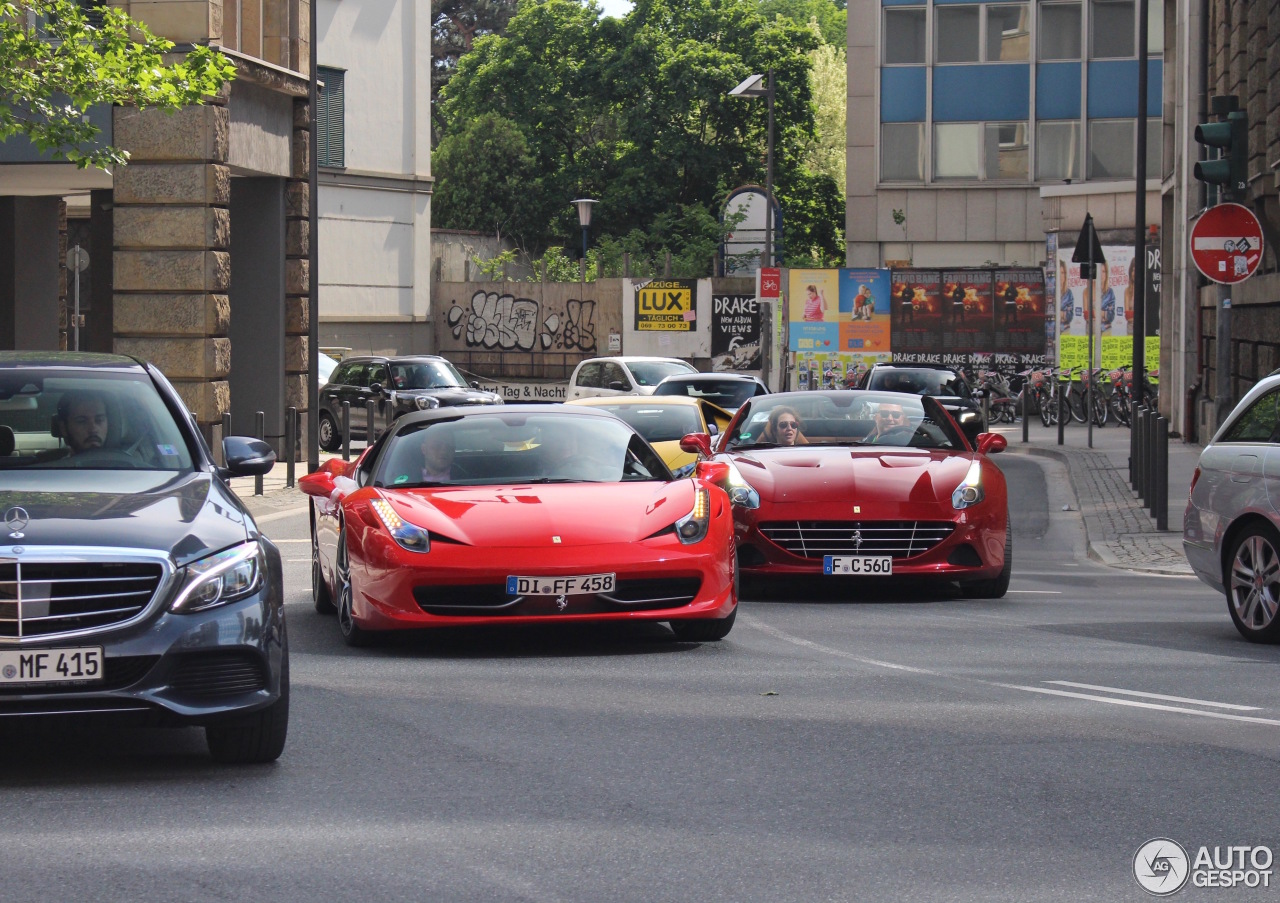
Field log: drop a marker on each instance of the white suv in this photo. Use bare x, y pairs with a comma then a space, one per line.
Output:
623, 375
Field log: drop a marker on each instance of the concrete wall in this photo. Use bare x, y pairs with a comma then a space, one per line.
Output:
261, 130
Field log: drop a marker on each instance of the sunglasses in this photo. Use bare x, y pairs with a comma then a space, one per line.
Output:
788, 425
896, 415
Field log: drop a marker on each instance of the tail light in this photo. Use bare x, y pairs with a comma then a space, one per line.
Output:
1195, 476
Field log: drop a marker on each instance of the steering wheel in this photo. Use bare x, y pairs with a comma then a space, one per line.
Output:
898, 435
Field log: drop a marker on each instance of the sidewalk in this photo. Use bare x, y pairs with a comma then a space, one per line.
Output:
276, 497
1120, 531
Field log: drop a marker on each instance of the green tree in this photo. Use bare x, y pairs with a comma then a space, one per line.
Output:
55, 63
485, 177
455, 26
830, 15
829, 81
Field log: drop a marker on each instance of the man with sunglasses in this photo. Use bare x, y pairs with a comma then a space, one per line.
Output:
888, 417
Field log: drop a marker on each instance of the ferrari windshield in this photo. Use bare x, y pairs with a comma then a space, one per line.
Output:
97, 421
426, 375
657, 422
484, 449
729, 394
844, 418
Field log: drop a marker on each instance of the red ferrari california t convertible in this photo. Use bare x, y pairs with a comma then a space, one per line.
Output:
519, 515
875, 484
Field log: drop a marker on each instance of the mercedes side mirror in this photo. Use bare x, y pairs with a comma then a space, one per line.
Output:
247, 457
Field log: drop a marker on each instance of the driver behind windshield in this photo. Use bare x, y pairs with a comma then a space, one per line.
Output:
83, 422
888, 417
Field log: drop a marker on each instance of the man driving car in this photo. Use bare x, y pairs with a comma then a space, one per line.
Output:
83, 419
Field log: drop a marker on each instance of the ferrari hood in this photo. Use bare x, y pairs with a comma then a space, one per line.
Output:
859, 475
549, 515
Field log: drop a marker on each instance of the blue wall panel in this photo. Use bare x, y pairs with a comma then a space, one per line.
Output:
902, 94
1113, 88
992, 92
1058, 91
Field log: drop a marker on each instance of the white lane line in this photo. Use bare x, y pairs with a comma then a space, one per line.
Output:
1187, 699
297, 559
809, 644
292, 512
1025, 592
1133, 703
279, 541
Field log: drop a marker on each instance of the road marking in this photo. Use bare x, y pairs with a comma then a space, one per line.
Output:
279, 541
1133, 703
292, 512
1037, 592
297, 559
1220, 705
809, 644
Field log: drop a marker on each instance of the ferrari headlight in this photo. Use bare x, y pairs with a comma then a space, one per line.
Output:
426, 402
966, 416
218, 579
408, 536
969, 492
693, 526
741, 493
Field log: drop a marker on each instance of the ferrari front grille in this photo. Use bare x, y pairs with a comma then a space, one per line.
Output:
43, 597
815, 539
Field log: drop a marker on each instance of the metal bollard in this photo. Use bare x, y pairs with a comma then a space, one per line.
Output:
1133, 443
1149, 468
259, 432
1160, 509
370, 414
346, 431
218, 453
1064, 410
1025, 423
290, 444
1139, 449
986, 411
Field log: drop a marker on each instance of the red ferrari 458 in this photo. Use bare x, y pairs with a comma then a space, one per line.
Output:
864, 484
519, 515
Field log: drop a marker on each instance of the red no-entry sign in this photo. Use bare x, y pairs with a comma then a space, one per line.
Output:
1226, 243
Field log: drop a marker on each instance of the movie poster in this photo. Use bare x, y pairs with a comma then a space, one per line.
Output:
1019, 313
814, 310
864, 311
916, 307
968, 309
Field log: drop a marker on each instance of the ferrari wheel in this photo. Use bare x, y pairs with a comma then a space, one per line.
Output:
330, 440
320, 594
704, 630
995, 589
1253, 584
352, 632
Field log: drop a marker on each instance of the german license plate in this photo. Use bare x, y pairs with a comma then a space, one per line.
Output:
560, 586
877, 565
51, 666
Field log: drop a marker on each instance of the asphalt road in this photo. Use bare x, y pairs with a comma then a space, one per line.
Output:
884, 747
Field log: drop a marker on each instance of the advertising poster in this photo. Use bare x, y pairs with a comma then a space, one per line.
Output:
1008, 363
1112, 309
1151, 298
1019, 300
814, 310
735, 332
968, 307
864, 311
833, 370
916, 310
667, 305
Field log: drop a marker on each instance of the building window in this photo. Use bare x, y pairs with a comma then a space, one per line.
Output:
985, 151
1008, 33
904, 41
1111, 148
902, 152
1114, 26
1059, 31
331, 118
1058, 151
958, 34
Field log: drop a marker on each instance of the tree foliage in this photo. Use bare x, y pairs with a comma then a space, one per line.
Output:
56, 63
635, 112
455, 26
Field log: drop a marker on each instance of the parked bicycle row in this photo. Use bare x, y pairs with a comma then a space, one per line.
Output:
1078, 394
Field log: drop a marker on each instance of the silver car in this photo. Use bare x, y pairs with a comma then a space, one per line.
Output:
1230, 530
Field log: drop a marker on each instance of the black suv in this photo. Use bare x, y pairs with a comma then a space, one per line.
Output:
947, 384
134, 586
396, 385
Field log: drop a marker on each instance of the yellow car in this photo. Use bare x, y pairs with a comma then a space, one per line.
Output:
664, 421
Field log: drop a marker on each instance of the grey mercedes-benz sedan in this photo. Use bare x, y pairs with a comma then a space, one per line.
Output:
1230, 531
134, 586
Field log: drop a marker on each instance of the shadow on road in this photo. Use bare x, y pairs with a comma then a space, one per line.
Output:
1209, 637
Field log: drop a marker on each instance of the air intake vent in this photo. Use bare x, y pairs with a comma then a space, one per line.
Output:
220, 673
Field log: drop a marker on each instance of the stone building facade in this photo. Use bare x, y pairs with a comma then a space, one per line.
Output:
199, 247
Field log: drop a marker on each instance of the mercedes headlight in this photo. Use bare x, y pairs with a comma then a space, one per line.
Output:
969, 492
218, 579
407, 536
693, 526
741, 493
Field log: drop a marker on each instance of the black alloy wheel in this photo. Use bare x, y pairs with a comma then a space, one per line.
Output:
352, 632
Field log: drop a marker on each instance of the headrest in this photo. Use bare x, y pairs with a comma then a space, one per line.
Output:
7, 442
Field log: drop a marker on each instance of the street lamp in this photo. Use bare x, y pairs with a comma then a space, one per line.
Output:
751, 87
584, 220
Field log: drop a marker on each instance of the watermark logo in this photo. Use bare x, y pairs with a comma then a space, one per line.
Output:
1161, 866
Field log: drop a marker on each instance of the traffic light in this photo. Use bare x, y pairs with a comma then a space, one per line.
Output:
1231, 168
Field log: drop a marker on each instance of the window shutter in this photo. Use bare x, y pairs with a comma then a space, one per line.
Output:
331, 138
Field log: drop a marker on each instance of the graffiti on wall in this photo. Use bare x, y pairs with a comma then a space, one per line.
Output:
507, 323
